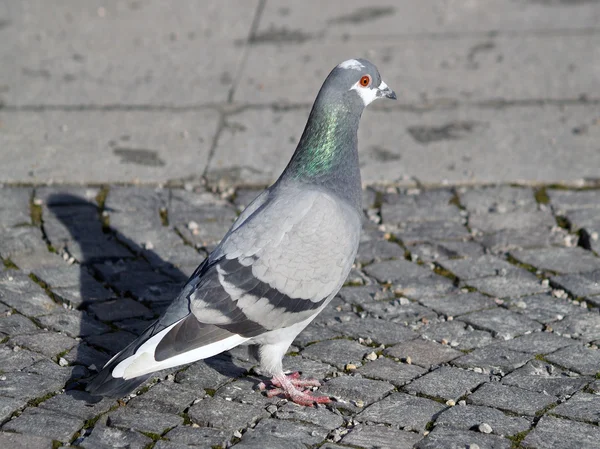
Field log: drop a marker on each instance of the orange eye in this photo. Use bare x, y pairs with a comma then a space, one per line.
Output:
365, 81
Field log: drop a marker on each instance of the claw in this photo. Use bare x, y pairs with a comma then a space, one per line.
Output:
287, 386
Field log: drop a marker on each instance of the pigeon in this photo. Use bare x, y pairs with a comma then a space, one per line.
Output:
283, 260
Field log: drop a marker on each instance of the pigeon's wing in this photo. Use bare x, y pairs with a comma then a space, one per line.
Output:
287, 258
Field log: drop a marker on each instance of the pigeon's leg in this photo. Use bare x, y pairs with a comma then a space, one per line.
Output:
287, 386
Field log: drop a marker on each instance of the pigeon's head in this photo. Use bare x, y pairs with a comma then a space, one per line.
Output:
358, 81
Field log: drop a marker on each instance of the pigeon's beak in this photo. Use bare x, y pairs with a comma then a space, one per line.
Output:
384, 91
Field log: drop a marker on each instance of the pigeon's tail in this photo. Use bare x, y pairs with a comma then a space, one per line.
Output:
106, 384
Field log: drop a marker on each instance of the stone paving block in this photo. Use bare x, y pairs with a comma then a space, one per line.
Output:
319, 416
48, 343
429, 205
519, 219
544, 308
144, 420
80, 297
40, 258
33, 303
585, 326
314, 333
337, 352
398, 312
396, 271
277, 433
507, 240
497, 199
446, 382
222, 414
119, 309
564, 200
351, 389
21, 240
77, 403
456, 305
210, 373
411, 233
443, 438
390, 371
469, 417
560, 260
20, 441
581, 407
378, 250
185, 436
514, 284
45, 423
493, 359
111, 437
243, 390
379, 437
165, 397
73, 323
426, 287
16, 360
580, 284
17, 325
501, 323
403, 410
545, 378
437, 251
537, 343
456, 332
8, 406
85, 355
512, 399
380, 331
487, 265
15, 209
111, 342
310, 368
553, 432
423, 353
577, 358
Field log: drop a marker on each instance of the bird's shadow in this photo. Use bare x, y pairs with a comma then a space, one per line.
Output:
114, 269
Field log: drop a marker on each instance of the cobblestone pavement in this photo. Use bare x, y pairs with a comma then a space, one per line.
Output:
471, 320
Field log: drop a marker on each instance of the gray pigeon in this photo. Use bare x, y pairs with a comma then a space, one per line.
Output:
282, 261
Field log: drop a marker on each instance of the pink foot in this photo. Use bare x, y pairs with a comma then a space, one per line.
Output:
286, 386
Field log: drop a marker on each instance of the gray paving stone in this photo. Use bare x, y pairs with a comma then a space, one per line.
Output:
560, 260
78, 404
544, 308
85, 355
378, 250
545, 378
21, 240
514, 284
564, 200
400, 409
582, 407
186, 436
17, 325
310, 368
397, 312
223, 414
507, 240
429, 205
411, 233
48, 343
446, 383
520, 219
119, 309
8, 406
111, 341
465, 337
469, 417
245, 391
337, 352
45, 423
512, 399
380, 331
577, 358
110, 437
390, 371
210, 373
487, 265
492, 358
319, 416
501, 322
20, 441
397, 271
315, 332
380, 437
16, 360
497, 199
144, 420
40, 258
288, 431
537, 343
438, 251
423, 353
553, 432
73, 323
33, 303
456, 305
443, 438
259, 441
579, 285
585, 326
14, 210
350, 389
165, 397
